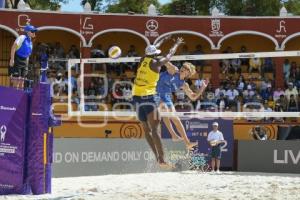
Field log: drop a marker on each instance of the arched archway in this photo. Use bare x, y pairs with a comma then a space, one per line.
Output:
292, 43
120, 37
58, 28
7, 38
286, 44
245, 36
186, 32
12, 31
118, 30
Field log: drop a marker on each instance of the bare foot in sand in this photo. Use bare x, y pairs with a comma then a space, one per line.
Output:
176, 138
191, 145
166, 166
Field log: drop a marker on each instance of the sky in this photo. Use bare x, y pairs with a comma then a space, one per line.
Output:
74, 5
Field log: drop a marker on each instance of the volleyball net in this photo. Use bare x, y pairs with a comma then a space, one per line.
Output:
104, 87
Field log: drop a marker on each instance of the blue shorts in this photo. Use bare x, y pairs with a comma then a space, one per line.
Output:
216, 152
144, 106
166, 99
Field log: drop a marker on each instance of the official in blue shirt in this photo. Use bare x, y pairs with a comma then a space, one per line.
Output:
20, 52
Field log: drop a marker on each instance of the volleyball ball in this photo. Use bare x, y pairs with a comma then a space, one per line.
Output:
114, 52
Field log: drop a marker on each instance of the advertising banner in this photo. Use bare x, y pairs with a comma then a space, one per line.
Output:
198, 129
91, 157
13, 111
275, 156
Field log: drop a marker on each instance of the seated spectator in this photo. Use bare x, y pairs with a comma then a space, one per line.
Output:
282, 102
132, 53
232, 95
255, 65
244, 61
291, 91
241, 84
222, 102
278, 108
236, 65
271, 102
267, 93
226, 63
199, 81
267, 65
199, 63
220, 91
292, 104
259, 133
249, 92
277, 93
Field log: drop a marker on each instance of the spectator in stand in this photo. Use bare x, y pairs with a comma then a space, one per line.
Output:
278, 108
249, 93
98, 53
267, 93
291, 91
241, 84
271, 102
297, 77
244, 61
220, 91
91, 93
236, 65
132, 53
282, 102
222, 102
292, 104
255, 65
199, 81
199, 63
277, 93
286, 69
226, 63
267, 65
232, 95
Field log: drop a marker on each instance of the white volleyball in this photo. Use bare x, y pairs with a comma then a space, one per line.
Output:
114, 52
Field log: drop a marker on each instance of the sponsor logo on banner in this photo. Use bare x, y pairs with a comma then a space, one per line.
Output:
5, 148
286, 157
216, 28
8, 108
3, 131
281, 30
131, 131
151, 26
87, 26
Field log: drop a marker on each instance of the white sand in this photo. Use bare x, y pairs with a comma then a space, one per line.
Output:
175, 185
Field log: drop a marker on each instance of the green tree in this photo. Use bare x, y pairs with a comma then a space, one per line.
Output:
40, 5
97, 5
137, 6
293, 6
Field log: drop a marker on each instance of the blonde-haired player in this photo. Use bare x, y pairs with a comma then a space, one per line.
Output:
170, 81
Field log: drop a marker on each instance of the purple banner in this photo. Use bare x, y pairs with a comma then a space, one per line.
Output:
13, 115
198, 129
39, 168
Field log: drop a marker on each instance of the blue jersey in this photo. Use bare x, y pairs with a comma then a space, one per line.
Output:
168, 83
24, 46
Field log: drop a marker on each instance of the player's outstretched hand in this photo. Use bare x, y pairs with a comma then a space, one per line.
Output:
180, 40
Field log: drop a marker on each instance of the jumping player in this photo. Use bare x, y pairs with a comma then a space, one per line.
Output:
170, 81
144, 92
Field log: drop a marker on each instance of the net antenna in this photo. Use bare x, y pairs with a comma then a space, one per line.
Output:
191, 114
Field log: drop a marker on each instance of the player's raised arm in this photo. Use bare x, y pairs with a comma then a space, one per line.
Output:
156, 64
